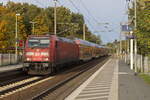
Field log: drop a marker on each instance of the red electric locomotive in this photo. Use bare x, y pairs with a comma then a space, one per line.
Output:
44, 54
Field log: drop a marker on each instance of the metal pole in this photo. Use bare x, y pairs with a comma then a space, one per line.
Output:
128, 40
135, 53
135, 41
83, 31
55, 17
120, 47
120, 50
33, 28
126, 48
135, 14
128, 51
131, 51
16, 41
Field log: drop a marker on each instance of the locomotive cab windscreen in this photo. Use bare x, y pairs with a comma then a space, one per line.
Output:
38, 42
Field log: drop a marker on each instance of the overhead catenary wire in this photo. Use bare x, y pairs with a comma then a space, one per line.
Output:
74, 6
90, 15
78, 10
59, 3
88, 11
126, 10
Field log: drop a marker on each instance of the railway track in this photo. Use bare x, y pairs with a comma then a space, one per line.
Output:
13, 86
40, 87
20, 85
62, 86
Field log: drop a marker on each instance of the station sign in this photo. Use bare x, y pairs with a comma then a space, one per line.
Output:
126, 28
130, 37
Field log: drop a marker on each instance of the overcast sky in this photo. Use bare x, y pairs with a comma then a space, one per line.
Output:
96, 12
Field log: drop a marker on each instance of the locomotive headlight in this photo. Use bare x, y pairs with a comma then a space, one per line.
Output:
29, 53
44, 53
46, 59
28, 59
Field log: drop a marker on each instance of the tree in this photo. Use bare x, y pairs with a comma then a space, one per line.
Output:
41, 27
69, 24
143, 26
3, 37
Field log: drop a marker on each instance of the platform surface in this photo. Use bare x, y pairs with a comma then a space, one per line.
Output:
113, 81
10, 67
131, 87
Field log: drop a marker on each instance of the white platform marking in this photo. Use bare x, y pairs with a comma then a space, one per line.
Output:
114, 87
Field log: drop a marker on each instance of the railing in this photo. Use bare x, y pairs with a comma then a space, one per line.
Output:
142, 62
8, 59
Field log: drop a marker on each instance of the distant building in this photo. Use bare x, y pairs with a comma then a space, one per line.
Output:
1, 4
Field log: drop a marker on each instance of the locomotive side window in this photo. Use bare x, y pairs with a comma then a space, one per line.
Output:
38, 42
56, 45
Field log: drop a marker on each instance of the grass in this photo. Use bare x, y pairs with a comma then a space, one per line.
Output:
145, 77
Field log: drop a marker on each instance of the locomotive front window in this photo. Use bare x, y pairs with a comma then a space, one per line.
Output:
38, 42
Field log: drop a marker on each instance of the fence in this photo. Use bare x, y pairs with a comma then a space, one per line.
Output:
8, 59
143, 63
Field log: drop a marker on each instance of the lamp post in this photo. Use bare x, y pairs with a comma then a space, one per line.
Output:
16, 37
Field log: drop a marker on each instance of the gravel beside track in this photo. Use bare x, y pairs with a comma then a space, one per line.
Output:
13, 86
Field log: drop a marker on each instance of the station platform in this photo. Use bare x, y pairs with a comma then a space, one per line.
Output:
10, 68
131, 86
113, 81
